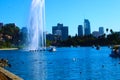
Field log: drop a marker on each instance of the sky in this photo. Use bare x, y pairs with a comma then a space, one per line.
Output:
71, 13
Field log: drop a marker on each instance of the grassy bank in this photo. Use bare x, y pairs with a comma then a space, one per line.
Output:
8, 48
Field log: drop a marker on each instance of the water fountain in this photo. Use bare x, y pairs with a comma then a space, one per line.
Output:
36, 26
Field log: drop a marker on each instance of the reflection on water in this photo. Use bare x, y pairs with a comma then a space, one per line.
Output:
84, 63
38, 67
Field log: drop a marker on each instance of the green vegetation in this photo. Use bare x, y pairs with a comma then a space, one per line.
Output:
48, 43
12, 37
105, 40
9, 36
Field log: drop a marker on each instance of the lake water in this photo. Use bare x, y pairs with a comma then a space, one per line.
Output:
83, 63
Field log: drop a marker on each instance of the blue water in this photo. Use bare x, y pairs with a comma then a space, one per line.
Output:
83, 63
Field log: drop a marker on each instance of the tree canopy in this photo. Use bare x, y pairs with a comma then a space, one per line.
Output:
9, 35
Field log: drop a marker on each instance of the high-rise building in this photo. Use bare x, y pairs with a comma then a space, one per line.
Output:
101, 30
61, 31
87, 30
24, 30
50, 37
96, 34
1, 24
23, 33
80, 30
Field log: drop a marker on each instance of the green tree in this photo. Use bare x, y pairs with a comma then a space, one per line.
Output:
107, 30
111, 31
11, 34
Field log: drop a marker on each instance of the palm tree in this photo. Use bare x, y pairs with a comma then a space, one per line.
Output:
111, 31
107, 30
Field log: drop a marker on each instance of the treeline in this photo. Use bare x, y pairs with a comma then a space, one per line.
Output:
9, 36
103, 40
12, 36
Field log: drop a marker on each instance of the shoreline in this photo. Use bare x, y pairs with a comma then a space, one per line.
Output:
8, 48
7, 75
4, 77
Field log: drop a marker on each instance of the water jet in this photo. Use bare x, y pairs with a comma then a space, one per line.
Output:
36, 26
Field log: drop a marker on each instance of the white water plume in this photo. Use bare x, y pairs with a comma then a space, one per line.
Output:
36, 26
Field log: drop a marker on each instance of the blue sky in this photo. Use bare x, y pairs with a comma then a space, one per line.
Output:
71, 13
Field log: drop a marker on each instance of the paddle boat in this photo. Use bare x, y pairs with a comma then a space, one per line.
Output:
115, 52
52, 49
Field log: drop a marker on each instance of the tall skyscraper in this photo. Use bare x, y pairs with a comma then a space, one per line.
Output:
87, 30
23, 33
1, 24
101, 30
61, 31
80, 30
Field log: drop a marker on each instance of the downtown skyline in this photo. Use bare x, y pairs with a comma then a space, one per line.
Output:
69, 12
